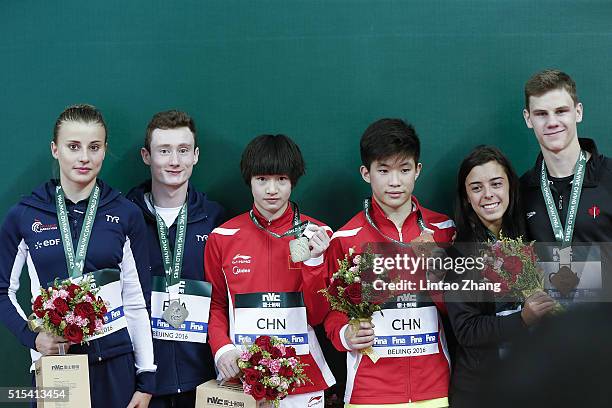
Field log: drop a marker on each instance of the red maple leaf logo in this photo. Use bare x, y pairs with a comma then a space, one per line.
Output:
594, 211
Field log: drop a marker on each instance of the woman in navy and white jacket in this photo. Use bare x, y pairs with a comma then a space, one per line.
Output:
121, 367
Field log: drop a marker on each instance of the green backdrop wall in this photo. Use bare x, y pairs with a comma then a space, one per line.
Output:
319, 71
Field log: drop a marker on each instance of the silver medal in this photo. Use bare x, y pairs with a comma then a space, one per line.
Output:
175, 314
299, 249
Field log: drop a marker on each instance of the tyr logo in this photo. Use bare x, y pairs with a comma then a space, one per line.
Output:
201, 238
111, 218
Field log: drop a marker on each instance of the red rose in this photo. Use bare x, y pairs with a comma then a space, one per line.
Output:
271, 394
73, 333
255, 358
513, 265
494, 277
251, 375
258, 391
55, 318
285, 372
290, 351
37, 307
73, 289
84, 309
353, 293
92, 325
333, 287
264, 343
61, 306
276, 353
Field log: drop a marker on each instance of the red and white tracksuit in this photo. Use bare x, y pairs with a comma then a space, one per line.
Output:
240, 258
392, 380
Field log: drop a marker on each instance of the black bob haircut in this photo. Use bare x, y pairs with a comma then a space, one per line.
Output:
387, 138
272, 154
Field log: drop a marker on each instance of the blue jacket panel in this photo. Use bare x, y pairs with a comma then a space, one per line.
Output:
182, 366
30, 235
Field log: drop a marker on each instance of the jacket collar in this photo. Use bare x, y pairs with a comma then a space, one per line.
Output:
283, 222
197, 208
591, 175
43, 197
385, 224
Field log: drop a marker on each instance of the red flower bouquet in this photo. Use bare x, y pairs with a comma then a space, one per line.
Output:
270, 369
513, 265
351, 292
69, 310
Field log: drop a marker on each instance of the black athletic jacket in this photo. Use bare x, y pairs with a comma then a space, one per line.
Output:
594, 218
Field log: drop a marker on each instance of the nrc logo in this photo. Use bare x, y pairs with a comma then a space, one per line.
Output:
111, 218
270, 297
222, 402
407, 297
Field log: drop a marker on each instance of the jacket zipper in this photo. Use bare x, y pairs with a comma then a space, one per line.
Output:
268, 241
178, 381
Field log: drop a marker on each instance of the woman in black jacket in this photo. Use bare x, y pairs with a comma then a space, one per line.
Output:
487, 204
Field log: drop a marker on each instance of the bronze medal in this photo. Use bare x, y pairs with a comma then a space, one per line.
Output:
565, 280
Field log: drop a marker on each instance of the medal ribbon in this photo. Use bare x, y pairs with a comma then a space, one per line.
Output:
565, 237
173, 262
297, 229
76, 262
366, 209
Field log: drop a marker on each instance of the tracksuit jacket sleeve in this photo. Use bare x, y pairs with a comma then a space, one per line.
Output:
13, 255
135, 269
473, 328
218, 322
334, 321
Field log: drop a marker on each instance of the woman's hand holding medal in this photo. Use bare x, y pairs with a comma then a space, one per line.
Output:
312, 244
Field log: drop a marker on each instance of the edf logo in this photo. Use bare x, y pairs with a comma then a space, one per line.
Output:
46, 243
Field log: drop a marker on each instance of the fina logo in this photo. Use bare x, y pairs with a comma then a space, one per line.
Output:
38, 226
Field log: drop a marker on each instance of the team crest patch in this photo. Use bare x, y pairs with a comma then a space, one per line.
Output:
38, 226
594, 211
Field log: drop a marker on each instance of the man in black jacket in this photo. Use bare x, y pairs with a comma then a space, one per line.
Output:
567, 195
179, 219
